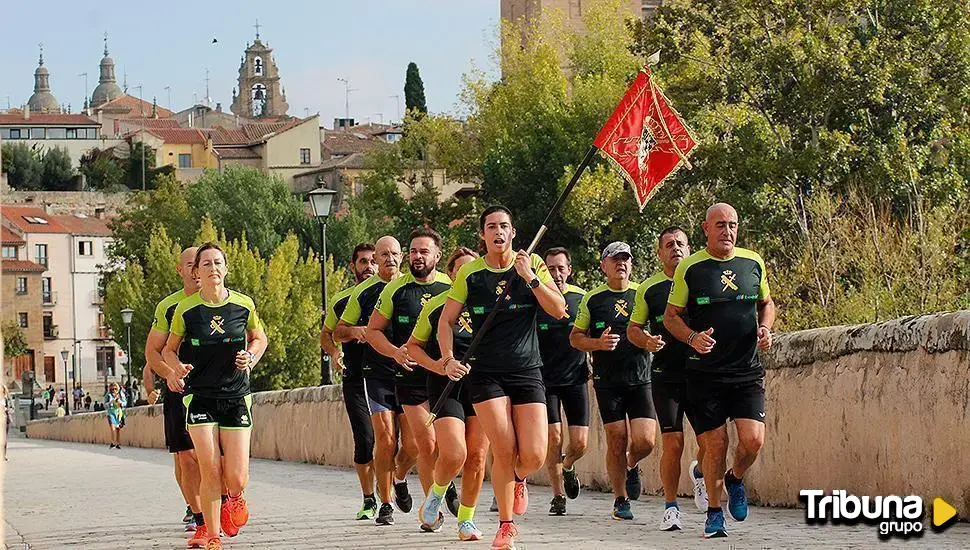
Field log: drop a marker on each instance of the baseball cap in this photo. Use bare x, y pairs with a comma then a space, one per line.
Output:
616, 248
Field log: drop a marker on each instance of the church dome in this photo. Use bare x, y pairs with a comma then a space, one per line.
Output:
108, 88
42, 100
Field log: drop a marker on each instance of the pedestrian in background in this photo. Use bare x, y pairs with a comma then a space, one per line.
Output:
115, 403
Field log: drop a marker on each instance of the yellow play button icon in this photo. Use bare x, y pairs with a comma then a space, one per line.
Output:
942, 512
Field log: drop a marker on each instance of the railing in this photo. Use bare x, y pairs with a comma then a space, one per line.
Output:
42, 260
50, 332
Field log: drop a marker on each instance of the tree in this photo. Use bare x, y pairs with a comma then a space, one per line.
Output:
22, 166
414, 91
166, 206
57, 174
14, 340
134, 170
102, 171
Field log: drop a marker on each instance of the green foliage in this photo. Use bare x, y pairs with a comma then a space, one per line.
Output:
35, 169
56, 173
102, 171
414, 91
139, 177
14, 340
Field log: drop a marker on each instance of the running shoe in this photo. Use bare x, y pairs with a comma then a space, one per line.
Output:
505, 537
714, 526
430, 509
188, 515
633, 486
402, 497
369, 509
621, 509
700, 490
199, 539
671, 521
468, 531
225, 521
191, 526
558, 506
435, 526
570, 482
451, 499
213, 544
235, 514
494, 506
521, 502
386, 515
737, 499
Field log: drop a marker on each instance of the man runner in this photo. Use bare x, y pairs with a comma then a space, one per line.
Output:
723, 290
667, 371
565, 372
173, 410
388, 331
621, 375
379, 384
349, 357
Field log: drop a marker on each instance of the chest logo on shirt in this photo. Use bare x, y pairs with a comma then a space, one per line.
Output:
465, 322
621, 309
425, 298
500, 288
727, 279
216, 325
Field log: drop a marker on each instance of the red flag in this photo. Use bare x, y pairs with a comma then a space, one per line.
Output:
645, 138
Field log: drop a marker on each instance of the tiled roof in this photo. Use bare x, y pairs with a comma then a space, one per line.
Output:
236, 153
22, 266
46, 119
9, 237
343, 142
134, 107
355, 160
179, 135
88, 226
251, 132
228, 136
152, 122
20, 217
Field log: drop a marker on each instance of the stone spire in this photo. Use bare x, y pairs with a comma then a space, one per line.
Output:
42, 100
107, 83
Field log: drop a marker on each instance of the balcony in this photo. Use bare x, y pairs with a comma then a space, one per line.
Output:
50, 332
97, 298
49, 298
42, 260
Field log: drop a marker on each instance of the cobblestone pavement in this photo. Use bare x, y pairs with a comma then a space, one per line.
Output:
65, 495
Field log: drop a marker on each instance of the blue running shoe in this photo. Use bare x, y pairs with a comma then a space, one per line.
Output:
621, 509
430, 509
737, 499
714, 527
468, 531
434, 527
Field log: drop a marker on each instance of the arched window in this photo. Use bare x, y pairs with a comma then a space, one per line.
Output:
258, 66
259, 99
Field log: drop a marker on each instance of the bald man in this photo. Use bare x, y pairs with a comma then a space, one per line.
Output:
379, 384
720, 306
176, 436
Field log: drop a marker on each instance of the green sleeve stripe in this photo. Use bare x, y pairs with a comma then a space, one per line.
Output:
582, 318
640, 309
678, 291
575, 289
330, 321
423, 329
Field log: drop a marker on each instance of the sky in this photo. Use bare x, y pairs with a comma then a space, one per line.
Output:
159, 44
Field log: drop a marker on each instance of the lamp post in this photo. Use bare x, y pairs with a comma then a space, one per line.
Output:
321, 200
126, 315
67, 396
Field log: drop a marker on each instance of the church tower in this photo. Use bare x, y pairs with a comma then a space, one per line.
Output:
259, 94
42, 101
107, 83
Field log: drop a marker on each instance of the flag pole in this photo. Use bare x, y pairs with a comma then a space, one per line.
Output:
532, 246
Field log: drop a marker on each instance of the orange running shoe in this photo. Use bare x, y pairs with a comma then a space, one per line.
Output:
234, 515
225, 520
505, 538
213, 544
199, 538
521, 502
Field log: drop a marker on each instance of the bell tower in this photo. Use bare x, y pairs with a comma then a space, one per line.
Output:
259, 93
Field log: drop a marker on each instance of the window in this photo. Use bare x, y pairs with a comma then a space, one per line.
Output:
15, 133
21, 285
41, 253
106, 360
56, 133
10, 252
38, 133
305, 155
185, 160
258, 66
71, 133
22, 319
45, 290
4, 133
85, 248
49, 325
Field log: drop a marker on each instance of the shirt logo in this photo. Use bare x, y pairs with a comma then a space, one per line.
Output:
620, 308
199, 417
479, 310
425, 298
727, 279
244, 420
216, 325
543, 326
403, 319
600, 324
500, 287
465, 323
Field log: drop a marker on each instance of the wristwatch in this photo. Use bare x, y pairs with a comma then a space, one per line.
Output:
534, 283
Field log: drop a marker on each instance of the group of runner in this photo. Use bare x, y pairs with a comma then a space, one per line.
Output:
398, 338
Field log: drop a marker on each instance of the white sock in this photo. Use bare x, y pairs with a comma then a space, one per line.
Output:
396, 480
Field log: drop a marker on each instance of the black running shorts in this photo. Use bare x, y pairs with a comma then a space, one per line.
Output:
574, 400
712, 403
620, 403
457, 405
670, 399
411, 396
173, 413
229, 413
355, 401
521, 387
381, 396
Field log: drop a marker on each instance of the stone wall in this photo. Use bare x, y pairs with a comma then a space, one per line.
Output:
873, 409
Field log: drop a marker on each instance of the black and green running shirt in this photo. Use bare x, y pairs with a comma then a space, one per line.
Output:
627, 365
162, 323
562, 364
723, 295
400, 303
426, 330
359, 308
648, 311
510, 344
353, 350
215, 333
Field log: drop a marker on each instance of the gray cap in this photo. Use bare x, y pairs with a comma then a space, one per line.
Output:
614, 248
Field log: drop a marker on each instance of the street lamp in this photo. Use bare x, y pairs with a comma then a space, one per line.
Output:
126, 315
67, 398
321, 200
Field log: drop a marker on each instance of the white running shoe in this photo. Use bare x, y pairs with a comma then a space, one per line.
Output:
671, 521
700, 490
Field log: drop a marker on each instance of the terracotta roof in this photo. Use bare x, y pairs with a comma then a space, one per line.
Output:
23, 266
252, 132
20, 216
179, 135
227, 136
151, 122
9, 237
347, 142
46, 119
133, 106
236, 153
88, 226
355, 160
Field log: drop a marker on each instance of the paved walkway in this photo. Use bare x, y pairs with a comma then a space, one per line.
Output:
130, 501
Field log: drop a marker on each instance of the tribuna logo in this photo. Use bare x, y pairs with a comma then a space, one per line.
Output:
895, 516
